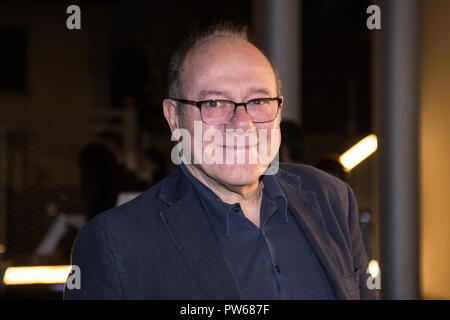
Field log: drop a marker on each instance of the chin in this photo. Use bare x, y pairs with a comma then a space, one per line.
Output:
237, 174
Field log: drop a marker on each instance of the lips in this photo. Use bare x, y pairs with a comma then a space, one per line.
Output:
235, 147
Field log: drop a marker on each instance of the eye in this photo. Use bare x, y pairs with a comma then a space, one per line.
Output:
258, 102
212, 103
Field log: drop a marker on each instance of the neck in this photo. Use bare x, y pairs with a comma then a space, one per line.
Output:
226, 192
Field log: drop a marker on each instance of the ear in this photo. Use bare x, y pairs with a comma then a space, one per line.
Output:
281, 108
170, 113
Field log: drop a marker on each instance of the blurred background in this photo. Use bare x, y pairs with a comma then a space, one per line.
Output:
82, 128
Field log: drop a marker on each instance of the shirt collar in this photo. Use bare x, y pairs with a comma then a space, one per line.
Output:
275, 193
219, 211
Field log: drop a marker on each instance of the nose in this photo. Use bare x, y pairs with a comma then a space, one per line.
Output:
241, 119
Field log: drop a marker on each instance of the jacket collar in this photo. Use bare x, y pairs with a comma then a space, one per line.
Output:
306, 210
190, 229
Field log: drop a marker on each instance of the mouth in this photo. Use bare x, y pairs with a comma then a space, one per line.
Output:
235, 147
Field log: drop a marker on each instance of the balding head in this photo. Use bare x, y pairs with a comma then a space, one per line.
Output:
228, 65
223, 31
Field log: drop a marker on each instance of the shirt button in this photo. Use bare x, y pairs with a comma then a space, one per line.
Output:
237, 208
277, 269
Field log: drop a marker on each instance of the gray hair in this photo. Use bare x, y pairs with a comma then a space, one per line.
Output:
176, 65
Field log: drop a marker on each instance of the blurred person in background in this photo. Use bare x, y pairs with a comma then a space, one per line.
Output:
154, 167
126, 179
103, 176
292, 142
99, 178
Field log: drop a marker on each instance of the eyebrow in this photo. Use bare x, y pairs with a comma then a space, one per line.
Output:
205, 93
259, 90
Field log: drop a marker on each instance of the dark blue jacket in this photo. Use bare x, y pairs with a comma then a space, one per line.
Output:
162, 246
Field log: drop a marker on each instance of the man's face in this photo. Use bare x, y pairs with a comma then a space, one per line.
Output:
230, 69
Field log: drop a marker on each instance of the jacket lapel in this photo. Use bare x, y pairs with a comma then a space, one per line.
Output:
306, 210
192, 233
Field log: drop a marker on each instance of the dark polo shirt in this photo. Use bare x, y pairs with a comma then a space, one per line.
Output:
274, 261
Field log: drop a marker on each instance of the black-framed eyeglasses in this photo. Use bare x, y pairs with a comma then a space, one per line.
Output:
220, 111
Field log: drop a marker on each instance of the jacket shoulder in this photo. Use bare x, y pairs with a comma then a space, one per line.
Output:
333, 194
313, 179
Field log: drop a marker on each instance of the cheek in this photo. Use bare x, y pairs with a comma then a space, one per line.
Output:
212, 134
191, 114
205, 138
269, 134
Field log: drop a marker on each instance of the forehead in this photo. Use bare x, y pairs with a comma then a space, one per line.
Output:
229, 65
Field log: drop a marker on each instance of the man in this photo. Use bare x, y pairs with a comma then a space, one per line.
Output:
226, 229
